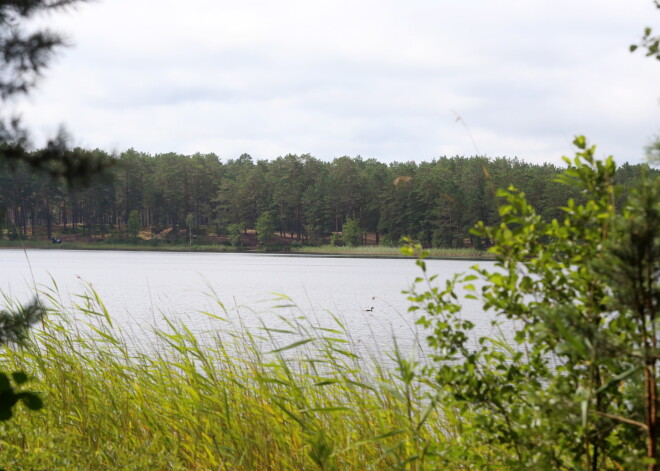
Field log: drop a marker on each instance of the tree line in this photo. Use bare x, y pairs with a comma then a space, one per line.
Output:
303, 198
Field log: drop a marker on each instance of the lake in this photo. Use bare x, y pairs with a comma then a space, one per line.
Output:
140, 288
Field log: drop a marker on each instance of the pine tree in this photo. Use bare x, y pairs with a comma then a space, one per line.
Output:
24, 55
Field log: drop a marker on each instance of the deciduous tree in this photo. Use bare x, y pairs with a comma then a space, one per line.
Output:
351, 232
133, 225
265, 227
578, 387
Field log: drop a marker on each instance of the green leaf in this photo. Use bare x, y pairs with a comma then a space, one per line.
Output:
5, 411
19, 377
5, 385
292, 345
391, 433
328, 410
618, 378
584, 408
31, 400
580, 142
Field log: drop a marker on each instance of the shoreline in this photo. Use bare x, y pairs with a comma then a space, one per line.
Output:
338, 252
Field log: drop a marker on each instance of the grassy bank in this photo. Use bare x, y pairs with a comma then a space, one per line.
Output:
361, 251
230, 400
146, 247
383, 251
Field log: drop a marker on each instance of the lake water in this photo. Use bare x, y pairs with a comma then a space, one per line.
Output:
140, 288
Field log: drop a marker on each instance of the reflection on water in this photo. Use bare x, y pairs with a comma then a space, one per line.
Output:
252, 290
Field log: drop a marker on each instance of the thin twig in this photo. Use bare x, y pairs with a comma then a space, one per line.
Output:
622, 419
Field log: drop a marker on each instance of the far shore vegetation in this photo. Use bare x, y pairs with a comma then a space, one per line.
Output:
248, 242
293, 204
288, 203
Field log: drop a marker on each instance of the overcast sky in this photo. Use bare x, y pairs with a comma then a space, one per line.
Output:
383, 79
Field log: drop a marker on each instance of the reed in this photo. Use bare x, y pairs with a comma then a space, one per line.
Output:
295, 397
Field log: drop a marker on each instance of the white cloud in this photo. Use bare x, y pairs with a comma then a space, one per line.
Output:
379, 79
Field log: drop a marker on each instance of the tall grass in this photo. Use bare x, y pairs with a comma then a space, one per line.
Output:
299, 397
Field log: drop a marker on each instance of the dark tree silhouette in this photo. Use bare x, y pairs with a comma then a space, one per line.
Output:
24, 55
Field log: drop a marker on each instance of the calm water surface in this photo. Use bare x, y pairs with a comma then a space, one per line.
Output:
140, 288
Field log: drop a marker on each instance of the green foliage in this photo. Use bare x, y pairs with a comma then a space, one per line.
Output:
234, 234
578, 387
649, 42
388, 241
336, 240
351, 232
265, 227
653, 151
191, 223
25, 51
440, 203
9, 397
381, 250
15, 324
133, 225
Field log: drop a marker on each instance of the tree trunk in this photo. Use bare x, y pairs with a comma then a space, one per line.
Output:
49, 221
651, 399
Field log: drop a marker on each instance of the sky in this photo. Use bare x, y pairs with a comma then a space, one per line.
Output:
386, 79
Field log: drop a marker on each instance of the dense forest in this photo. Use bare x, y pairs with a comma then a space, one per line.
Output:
436, 203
